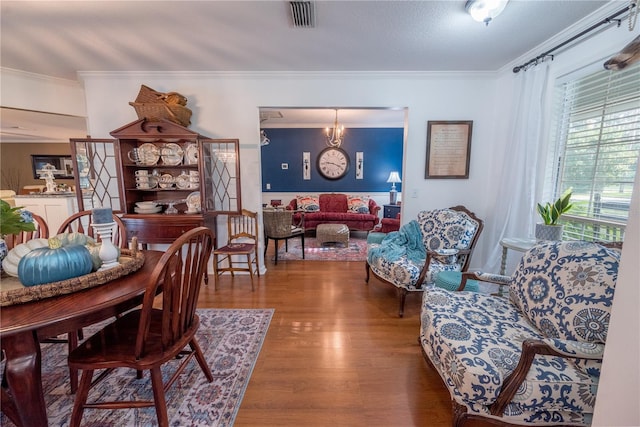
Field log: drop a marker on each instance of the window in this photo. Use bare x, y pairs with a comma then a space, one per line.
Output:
597, 148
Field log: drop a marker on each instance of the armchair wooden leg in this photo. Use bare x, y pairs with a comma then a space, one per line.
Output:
366, 269
402, 296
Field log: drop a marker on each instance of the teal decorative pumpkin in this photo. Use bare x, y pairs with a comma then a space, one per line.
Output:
55, 263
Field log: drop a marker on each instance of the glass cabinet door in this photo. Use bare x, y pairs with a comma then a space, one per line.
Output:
97, 173
220, 168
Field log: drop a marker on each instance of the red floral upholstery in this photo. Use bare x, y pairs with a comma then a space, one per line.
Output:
334, 210
390, 224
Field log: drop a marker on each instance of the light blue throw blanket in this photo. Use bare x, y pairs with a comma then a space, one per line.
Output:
406, 241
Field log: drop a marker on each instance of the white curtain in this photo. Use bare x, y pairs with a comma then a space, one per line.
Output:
515, 211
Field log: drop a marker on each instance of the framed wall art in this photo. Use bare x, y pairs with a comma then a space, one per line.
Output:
63, 165
448, 149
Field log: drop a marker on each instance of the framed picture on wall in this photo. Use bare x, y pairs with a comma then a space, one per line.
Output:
63, 165
448, 149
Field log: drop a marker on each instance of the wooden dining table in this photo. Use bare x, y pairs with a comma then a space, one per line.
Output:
24, 326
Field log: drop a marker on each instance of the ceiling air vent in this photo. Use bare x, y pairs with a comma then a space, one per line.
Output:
303, 14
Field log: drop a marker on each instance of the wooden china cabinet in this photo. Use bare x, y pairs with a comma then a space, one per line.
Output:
190, 177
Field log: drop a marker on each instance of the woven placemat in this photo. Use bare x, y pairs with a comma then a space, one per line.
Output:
13, 292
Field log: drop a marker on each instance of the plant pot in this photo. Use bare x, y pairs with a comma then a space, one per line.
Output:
549, 232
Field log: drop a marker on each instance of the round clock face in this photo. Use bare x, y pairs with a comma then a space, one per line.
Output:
333, 163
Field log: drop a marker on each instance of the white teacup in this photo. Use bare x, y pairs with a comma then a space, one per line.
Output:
142, 172
143, 185
194, 173
135, 156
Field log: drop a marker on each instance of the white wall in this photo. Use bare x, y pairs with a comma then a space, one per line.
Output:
30, 91
225, 105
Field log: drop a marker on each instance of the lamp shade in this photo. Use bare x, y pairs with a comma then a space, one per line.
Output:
394, 177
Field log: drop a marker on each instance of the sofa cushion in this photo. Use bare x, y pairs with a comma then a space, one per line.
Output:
307, 203
333, 202
570, 282
474, 341
358, 204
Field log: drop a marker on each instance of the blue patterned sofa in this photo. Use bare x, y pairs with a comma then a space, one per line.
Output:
532, 358
411, 258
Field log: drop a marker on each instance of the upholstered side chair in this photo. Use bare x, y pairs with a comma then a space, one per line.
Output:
411, 258
534, 357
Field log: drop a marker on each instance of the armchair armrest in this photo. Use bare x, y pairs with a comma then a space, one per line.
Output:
548, 347
577, 349
496, 279
438, 253
374, 208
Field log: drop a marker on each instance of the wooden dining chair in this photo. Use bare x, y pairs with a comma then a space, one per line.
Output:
41, 232
242, 232
148, 337
81, 222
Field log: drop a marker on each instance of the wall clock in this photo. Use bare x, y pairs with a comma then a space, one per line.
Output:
333, 163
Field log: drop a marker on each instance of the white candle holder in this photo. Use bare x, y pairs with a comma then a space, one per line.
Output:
108, 252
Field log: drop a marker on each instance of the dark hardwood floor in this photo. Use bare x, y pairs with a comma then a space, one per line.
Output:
336, 353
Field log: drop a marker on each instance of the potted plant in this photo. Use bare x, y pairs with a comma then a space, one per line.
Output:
550, 214
12, 221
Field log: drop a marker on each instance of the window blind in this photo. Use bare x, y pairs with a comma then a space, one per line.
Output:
598, 143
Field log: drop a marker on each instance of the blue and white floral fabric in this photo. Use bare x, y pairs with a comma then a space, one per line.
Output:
561, 293
441, 229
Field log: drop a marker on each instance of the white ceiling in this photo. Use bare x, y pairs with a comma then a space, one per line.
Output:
61, 38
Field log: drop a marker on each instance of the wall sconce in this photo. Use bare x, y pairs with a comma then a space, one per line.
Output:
306, 165
359, 165
263, 138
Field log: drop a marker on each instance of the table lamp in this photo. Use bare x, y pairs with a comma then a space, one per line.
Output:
393, 194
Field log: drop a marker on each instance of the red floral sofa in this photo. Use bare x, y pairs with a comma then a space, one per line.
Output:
357, 212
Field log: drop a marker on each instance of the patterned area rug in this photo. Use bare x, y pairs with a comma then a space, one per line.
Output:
231, 341
355, 251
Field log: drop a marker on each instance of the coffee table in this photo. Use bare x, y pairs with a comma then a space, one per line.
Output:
332, 233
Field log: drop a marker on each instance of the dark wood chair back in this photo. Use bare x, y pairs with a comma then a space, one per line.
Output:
178, 275
160, 331
81, 222
41, 232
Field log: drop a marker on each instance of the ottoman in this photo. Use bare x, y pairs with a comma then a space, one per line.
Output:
334, 233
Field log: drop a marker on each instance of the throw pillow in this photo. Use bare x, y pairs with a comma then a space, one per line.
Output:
358, 204
308, 203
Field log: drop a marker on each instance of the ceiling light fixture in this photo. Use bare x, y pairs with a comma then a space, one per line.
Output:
485, 10
335, 135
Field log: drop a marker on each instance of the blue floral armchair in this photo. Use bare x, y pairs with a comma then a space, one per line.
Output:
411, 258
532, 358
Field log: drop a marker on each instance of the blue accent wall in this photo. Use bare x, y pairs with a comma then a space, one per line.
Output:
382, 148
